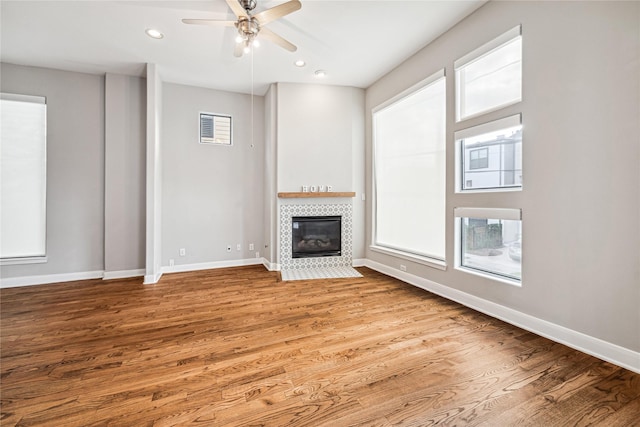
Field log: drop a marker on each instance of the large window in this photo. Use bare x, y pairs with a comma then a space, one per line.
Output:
490, 77
409, 169
22, 178
489, 242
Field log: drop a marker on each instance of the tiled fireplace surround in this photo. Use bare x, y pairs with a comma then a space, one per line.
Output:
309, 207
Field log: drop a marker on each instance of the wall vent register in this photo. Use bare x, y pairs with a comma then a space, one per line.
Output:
215, 129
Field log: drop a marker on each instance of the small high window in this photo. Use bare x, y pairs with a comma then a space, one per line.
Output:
490, 77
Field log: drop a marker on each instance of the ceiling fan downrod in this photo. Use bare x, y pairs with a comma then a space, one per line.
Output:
248, 5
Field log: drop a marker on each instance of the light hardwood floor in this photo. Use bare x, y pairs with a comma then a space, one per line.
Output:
235, 347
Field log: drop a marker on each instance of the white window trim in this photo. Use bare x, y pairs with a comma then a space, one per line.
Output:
502, 39
470, 132
410, 91
483, 213
420, 259
488, 47
25, 260
435, 262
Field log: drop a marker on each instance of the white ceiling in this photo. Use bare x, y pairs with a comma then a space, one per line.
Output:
354, 41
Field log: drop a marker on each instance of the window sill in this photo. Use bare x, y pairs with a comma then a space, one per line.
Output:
430, 262
25, 260
494, 277
490, 190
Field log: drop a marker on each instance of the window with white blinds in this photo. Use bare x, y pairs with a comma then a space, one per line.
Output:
490, 77
409, 173
23, 178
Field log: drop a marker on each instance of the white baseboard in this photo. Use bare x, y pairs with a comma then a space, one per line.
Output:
13, 282
596, 347
211, 265
359, 262
150, 279
123, 274
271, 266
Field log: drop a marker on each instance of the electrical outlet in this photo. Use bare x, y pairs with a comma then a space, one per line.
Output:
257, 254
171, 262
251, 246
229, 248
403, 267
238, 247
183, 251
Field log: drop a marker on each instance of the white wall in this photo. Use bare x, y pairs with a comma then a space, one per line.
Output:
580, 202
212, 196
75, 168
125, 158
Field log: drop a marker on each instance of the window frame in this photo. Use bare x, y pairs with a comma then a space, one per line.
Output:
425, 259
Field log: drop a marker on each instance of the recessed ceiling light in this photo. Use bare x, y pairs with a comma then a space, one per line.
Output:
300, 63
320, 74
153, 33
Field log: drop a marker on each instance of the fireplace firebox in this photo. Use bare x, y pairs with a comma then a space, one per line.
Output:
316, 236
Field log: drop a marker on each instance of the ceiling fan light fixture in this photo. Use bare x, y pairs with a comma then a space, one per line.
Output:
153, 33
239, 39
247, 48
256, 43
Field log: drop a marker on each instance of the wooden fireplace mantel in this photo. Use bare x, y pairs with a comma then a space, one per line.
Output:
306, 195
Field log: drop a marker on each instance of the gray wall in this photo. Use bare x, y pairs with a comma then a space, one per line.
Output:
315, 136
125, 149
212, 196
580, 202
75, 167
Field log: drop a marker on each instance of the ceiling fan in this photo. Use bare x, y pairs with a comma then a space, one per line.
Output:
249, 26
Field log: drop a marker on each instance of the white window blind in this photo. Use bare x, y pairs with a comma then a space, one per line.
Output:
409, 168
490, 77
22, 177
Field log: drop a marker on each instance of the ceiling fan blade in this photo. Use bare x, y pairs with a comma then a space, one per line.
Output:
238, 50
274, 38
276, 12
211, 22
237, 8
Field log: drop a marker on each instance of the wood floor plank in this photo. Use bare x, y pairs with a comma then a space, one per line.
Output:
238, 347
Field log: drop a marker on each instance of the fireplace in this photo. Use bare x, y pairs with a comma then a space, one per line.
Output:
316, 236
